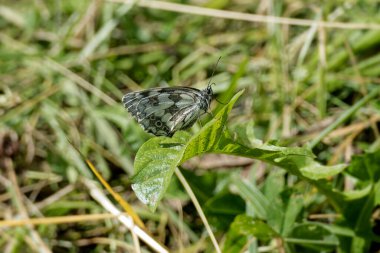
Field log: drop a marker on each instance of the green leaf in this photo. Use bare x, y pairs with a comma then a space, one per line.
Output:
360, 244
223, 208
312, 236
293, 209
202, 185
276, 198
360, 203
261, 206
206, 140
357, 194
157, 158
298, 161
225, 203
358, 213
246, 225
154, 166
366, 167
234, 242
274, 177
295, 160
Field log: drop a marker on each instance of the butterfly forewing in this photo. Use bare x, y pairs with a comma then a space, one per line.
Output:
163, 111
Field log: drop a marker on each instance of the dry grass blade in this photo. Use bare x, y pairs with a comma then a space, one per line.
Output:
37, 242
56, 220
80, 81
98, 195
189, 9
116, 196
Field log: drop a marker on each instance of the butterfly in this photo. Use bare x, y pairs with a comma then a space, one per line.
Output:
163, 111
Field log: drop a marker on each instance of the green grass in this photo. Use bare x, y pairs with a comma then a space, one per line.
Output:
308, 117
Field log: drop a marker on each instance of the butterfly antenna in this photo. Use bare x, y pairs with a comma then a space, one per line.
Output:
213, 71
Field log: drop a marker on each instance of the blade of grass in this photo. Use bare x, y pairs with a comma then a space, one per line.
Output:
345, 116
78, 80
57, 219
115, 195
190, 9
104, 32
322, 87
16, 112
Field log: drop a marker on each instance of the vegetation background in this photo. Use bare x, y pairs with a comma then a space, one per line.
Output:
311, 81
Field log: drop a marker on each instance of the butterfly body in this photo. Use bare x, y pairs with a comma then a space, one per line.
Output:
163, 111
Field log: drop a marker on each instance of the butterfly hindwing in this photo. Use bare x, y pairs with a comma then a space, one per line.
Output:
163, 111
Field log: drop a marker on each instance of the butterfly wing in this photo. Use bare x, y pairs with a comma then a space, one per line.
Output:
163, 111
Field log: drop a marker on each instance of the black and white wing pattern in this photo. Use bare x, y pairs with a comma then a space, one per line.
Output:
163, 111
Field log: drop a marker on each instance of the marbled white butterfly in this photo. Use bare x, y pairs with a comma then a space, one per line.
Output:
163, 111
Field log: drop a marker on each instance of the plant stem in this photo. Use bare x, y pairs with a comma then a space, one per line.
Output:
199, 209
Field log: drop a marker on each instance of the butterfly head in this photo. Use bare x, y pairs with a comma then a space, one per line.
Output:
208, 90
207, 95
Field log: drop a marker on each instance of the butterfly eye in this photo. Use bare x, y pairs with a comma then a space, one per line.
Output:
209, 90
